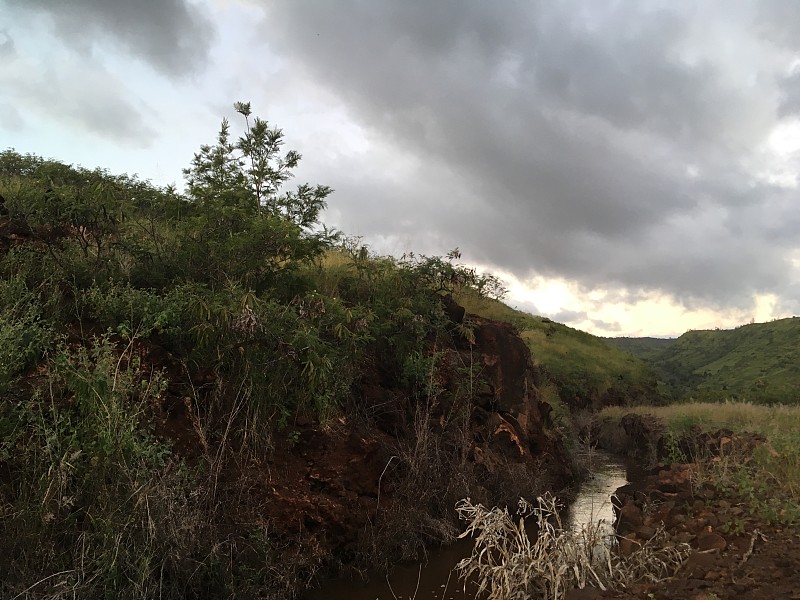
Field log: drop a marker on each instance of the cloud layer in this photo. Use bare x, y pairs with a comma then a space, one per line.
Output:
171, 35
612, 144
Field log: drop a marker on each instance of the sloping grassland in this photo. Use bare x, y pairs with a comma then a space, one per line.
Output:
757, 363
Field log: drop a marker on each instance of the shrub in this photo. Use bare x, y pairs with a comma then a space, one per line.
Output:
24, 335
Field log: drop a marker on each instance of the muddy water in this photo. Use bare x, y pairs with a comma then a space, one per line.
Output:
433, 581
436, 581
593, 502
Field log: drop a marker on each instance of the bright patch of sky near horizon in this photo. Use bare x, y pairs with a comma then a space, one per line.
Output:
628, 169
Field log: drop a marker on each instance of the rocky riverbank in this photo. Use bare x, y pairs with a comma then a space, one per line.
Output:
739, 548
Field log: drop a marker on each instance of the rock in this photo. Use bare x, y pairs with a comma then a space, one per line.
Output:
711, 541
663, 512
709, 494
698, 565
645, 532
629, 518
643, 432
628, 544
696, 524
453, 309
684, 537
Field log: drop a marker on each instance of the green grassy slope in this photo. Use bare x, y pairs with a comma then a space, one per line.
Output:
757, 363
646, 348
583, 368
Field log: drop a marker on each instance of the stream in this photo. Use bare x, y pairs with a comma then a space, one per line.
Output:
435, 580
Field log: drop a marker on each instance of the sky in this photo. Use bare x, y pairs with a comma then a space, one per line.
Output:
626, 167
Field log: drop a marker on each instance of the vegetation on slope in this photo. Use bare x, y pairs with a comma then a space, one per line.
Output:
153, 345
757, 363
581, 369
646, 348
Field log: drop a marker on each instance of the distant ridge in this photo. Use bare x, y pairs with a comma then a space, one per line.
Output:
759, 362
581, 369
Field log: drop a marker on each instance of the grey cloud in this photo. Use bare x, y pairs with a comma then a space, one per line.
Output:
790, 95
174, 36
86, 96
10, 118
779, 22
7, 50
607, 326
578, 139
569, 316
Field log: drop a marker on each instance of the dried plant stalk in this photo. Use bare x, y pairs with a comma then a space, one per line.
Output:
507, 565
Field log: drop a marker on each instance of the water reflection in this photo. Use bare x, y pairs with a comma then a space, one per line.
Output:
435, 580
593, 503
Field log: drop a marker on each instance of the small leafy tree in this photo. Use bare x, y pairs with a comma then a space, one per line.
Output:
251, 173
247, 228
445, 276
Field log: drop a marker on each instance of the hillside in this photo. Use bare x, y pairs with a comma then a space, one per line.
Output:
758, 363
646, 348
583, 370
209, 394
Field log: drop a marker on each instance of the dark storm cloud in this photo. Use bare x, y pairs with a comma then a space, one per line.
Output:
172, 35
601, 142
80, 87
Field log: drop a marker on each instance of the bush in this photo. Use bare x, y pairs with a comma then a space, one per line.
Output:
24, 335
92, 497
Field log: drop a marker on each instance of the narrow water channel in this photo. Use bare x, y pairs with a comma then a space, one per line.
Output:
436, 580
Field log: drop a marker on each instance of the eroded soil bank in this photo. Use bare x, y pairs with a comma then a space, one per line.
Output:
737, 551
379, 484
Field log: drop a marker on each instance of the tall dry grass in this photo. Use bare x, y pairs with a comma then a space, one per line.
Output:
774, 422
508, 563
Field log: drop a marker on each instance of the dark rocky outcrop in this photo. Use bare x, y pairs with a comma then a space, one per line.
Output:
734, 552
400, 461
516, 414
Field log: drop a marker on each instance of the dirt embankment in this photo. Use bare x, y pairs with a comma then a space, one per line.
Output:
380, 481
735, 551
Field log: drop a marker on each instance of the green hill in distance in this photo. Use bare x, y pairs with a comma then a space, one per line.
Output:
646, 348
581, 369
759, 363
